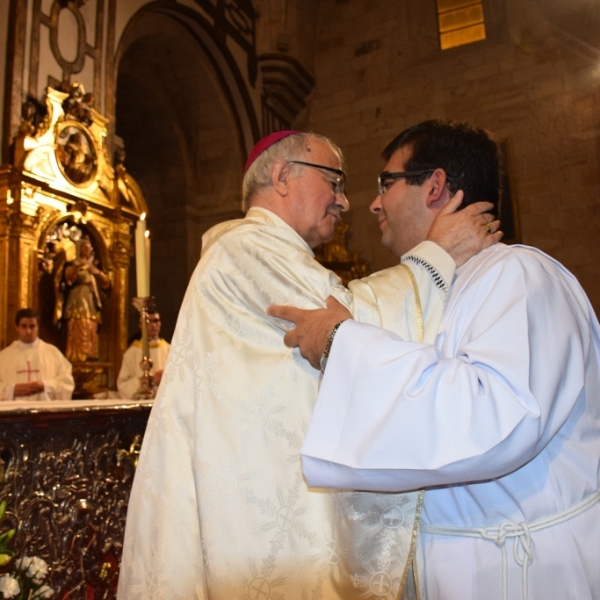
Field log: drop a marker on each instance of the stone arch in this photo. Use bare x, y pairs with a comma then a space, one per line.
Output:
185, 114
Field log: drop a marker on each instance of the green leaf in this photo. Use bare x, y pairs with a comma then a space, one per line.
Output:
6, 537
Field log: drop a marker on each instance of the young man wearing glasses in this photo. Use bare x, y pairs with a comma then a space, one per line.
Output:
219, 508
128, 381
499, 420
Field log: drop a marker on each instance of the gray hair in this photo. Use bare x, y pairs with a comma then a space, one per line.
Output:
291, 147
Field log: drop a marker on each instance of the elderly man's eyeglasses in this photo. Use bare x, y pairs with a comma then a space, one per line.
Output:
338, 185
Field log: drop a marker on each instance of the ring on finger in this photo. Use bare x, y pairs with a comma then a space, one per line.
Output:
488, 228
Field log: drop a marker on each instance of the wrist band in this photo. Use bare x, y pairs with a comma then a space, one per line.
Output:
328, 344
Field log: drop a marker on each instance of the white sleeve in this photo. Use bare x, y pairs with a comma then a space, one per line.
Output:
7, 391
61, 384
128, 380
394, 415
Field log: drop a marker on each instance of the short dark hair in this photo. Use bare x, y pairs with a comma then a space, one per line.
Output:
470, 156
27, 313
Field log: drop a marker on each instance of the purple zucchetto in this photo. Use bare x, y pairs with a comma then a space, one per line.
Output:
265, 143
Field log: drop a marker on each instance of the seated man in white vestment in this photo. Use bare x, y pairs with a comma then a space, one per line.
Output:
499, 419
219, 508
31, 369
128, 381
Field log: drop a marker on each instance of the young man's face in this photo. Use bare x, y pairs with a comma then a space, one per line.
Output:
153, 326
27, 329
401, 211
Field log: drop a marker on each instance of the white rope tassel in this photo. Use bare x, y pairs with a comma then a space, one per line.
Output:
521, 533
524, 539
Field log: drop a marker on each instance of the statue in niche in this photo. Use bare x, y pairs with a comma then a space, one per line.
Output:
85, 286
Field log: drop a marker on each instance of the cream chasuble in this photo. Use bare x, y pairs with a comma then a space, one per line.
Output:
38, 361
128, 381
219, 509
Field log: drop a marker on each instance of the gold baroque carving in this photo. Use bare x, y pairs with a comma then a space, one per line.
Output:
69, 154
121, 253
335, 256
50, 183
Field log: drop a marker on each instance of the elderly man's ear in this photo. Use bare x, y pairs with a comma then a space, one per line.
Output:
279, 176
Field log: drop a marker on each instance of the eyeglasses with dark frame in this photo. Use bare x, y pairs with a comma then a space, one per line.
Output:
387, 178
339, 185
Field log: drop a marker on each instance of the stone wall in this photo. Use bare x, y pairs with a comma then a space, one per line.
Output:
533, 82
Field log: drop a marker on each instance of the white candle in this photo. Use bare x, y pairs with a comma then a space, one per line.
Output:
147, 240
141, 269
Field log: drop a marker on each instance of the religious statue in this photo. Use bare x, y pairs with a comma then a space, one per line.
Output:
79, 105
85, 286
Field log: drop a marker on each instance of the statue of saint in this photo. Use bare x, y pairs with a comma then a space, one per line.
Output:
86, 286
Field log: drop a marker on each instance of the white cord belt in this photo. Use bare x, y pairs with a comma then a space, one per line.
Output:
521, 532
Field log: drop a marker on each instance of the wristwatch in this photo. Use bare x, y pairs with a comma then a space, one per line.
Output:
328, 344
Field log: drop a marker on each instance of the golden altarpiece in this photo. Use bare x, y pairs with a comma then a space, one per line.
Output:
63, 203
66, 467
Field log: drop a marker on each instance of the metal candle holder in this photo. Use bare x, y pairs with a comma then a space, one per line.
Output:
146, 390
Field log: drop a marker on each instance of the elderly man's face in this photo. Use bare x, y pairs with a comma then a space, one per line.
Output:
315, 205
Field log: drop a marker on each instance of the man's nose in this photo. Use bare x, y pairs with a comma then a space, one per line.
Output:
342, 202
376, 205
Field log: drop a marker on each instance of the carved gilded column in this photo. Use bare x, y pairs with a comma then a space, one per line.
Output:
18, 223
121, 253
5, 198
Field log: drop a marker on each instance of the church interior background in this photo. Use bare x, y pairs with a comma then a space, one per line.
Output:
114, 108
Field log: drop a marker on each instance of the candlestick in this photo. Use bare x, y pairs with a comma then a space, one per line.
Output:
146, 389
141, 269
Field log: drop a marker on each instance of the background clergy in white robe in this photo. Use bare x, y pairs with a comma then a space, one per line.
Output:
219, 508
128, 381
500, 418
31, 369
